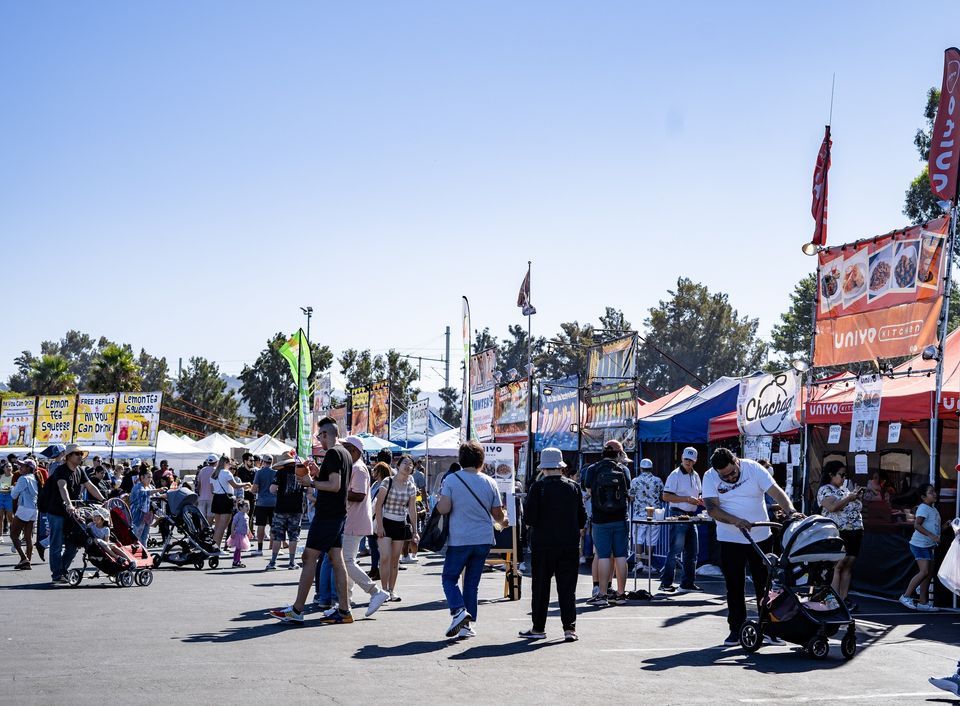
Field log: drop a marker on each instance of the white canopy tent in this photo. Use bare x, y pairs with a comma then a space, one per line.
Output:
267, 444
180, 454
218, 443
444, 444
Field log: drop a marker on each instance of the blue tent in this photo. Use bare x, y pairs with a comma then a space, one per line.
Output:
687, 421
398, 430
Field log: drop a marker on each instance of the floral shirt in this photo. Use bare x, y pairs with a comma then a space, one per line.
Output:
849, 517
647, 491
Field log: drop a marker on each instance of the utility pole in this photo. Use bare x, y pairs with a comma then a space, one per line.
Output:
446, 376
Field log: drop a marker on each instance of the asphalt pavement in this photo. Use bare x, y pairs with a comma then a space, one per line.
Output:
205, 635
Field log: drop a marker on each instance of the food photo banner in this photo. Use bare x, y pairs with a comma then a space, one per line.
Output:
55, 419
557, 418
880, 298
359, 410
866, 413
611, 414
17, 415
614, 360
380, 409
510, 408
482, 384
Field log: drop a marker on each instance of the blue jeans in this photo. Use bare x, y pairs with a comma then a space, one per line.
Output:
325, 583
374, 552
683, 538
142, 532
61, 553
467, 559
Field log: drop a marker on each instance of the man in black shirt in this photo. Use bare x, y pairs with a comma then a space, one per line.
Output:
66, 483
285, 526
555, 514
331, 481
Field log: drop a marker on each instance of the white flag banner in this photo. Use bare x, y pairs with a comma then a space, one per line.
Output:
418, 415
767, 404
866, 413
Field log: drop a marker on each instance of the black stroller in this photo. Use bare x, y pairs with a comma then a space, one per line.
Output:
195, 545
799, 605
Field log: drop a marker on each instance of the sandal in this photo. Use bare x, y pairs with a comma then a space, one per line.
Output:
239, 565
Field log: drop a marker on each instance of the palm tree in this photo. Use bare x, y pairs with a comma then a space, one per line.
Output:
114, 370
50, 375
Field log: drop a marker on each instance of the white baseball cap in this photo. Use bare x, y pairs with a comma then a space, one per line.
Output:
689, 453
212, 458
646, 463
355, 441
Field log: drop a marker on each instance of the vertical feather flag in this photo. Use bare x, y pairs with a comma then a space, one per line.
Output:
296, 351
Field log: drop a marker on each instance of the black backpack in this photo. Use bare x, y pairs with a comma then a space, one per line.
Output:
608, 495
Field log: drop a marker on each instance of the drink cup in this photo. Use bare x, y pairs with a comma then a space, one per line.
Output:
658, 514
650, 512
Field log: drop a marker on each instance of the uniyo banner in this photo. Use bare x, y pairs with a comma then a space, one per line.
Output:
380, 409
55, 419
138, 418
17, 415
96, 418
881, 297
510, 408
558, 415
866, 413
359, 410
613, 361
482, 385
767, 404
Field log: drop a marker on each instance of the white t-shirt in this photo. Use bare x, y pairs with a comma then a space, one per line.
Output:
684, 484
741, 499
221, 484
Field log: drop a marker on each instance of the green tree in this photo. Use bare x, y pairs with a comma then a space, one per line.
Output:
357, 368
701, 332
513, 350
566, 353
268, 388
51, 375
20, 382
114, 369
921, 205
211, 406
155, 373
451, 409
80, 350
482, 340
790, 339
363, 368
614, 323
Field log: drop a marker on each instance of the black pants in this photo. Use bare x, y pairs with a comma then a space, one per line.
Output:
734, 559
564, 564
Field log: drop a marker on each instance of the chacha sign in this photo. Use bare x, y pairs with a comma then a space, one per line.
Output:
767, 404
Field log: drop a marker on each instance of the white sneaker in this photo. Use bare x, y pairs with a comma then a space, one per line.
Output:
769, 640
408, 560
908, 602
457, 621
466, 631
927, 608
596, 592
331, 611
951, 683
376, 600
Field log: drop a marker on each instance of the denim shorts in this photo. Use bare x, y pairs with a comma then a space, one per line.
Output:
921, 552
610, 538
6, 502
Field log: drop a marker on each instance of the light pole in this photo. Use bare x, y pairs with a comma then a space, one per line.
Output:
308, 312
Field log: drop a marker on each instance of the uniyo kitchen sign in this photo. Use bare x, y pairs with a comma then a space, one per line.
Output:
767, 404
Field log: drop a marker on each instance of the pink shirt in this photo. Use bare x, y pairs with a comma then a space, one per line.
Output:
204, 486
359, 522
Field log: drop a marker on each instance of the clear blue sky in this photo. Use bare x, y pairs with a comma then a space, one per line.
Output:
184, 176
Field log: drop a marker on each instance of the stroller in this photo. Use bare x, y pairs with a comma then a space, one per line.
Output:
195, 545
136, 565
799, 605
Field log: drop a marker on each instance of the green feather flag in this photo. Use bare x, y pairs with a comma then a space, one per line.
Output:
296, 351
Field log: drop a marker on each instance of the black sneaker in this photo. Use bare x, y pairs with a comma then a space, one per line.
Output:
732, 639
690, 587
619, 599
667, 589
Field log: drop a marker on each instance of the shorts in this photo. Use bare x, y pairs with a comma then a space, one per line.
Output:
396, 530
6, 502
610, 538
852, 539
646, 535
263, 516
204, 506
921, 553
222, 504
325, 535
285, 526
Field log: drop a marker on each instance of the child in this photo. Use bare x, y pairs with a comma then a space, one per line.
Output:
925, 537
240, 534
99, 527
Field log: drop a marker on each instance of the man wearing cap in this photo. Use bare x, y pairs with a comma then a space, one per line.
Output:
645, 491
682, 490
67, 482
266, 499
288, 512
555, 514
204, 487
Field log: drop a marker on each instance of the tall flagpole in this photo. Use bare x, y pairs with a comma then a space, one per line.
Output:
529, 461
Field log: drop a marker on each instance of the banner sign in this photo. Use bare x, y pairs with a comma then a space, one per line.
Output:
510, 408
498, 464
558, 414
380, 409
55, 419
767, 404
17, 415
880, 298
614, 360
758, 448
96, 418
482, 383
418, 416
866, 413
611, 414
322, 401
944, 157
340, 415
359, 410
138, 419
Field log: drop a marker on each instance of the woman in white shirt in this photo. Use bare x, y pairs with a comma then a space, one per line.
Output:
25, 493
224, 484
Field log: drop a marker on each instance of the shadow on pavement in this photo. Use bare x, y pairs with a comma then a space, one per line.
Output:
505, 650
418, 647
239, 634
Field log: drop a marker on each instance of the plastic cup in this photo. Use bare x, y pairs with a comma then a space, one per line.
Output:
650, 512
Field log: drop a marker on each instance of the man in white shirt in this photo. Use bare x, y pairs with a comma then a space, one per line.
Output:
682, 491
733, 491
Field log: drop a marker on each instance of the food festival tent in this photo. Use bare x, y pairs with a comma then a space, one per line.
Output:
267, 444
400, 436
218, 443
181, 455
687, 420
444, 444
372, 444
650, 408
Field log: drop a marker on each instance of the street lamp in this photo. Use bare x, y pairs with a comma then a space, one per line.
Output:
308, 312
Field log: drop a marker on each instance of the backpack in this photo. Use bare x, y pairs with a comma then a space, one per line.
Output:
608, 495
